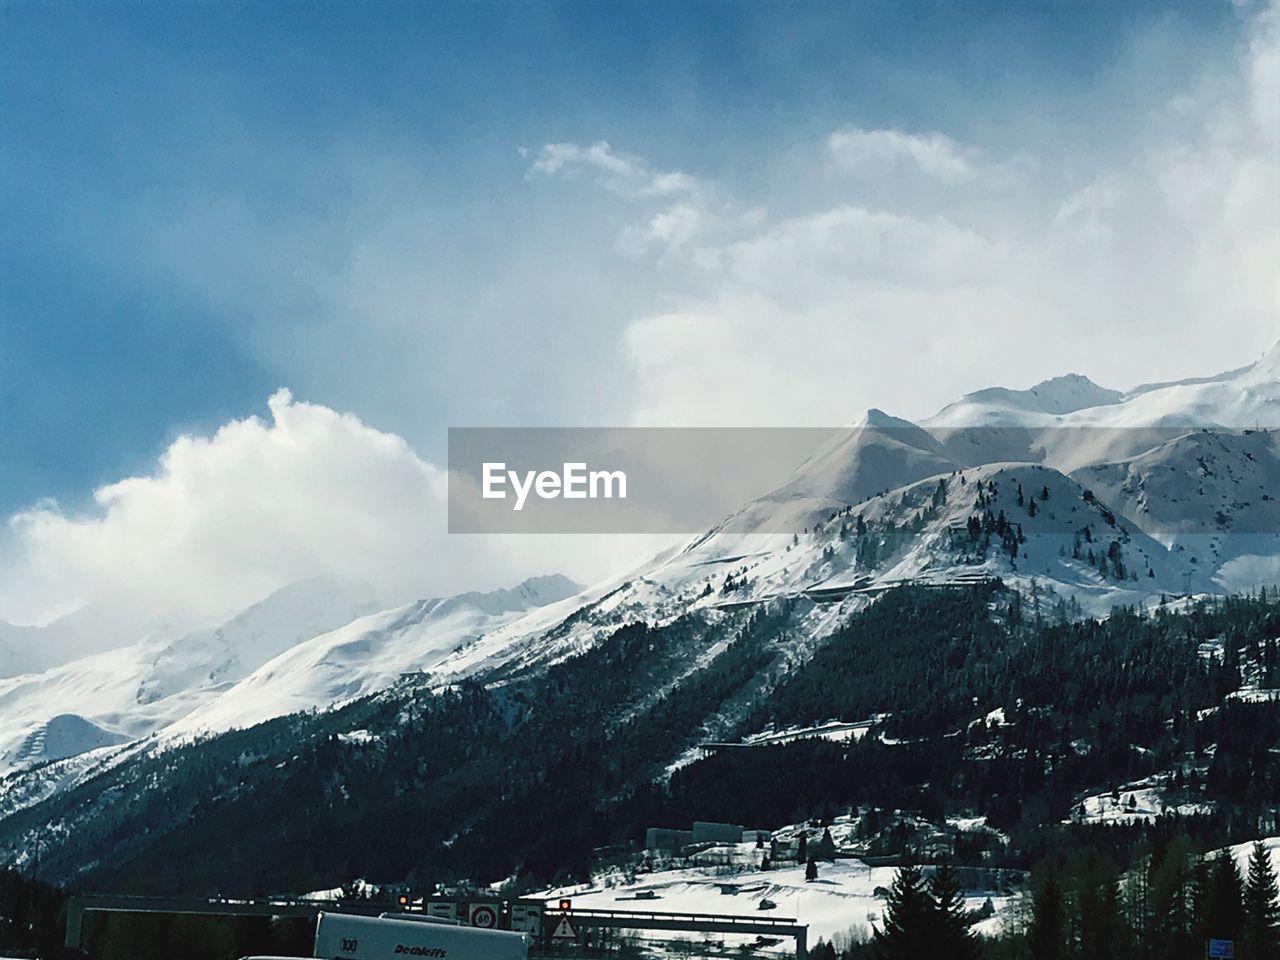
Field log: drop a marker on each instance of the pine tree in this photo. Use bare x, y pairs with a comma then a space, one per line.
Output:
1047, 934
909, 915
1200, 886
802, 849
1261, 911
826, 847
1170, 899
940, 493
1095, 893
952, 937
1223, 911
811, 869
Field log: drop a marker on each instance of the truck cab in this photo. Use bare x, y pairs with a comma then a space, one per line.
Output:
341, 936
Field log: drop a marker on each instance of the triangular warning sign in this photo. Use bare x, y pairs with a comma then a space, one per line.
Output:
564, 930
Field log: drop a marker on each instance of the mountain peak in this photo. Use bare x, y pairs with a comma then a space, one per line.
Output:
1066, 380
531, 593
877, 418
1071, 392
1055, 397
549, 588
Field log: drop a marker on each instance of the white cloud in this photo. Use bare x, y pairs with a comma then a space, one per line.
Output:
1089, 208
675, 226
1264, 62
874, 152
679, 208
1158, 254
224, 520
628, 176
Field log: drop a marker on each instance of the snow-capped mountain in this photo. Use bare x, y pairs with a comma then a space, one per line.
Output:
128, 692
1065, 491
880, 453
1085, 446
369, 654
235, 649
1099, 495
1248, 397
1104, 491
310, 644
1070, 422
1214, 485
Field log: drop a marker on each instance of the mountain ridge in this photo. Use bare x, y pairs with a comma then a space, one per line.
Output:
1084, 512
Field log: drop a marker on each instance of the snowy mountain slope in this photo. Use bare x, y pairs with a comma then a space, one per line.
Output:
910, 534
1245, 398
883, 473
880, 453
132, 691
1215, 493
558, 630
29, 785
923, 532
1061, 522
1068, 423
367, 655
233, 650
72, 722
67, 735
101, 690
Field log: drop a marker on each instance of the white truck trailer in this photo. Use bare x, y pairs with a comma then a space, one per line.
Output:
341, 936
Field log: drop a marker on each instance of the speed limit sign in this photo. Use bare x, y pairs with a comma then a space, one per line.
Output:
484, 915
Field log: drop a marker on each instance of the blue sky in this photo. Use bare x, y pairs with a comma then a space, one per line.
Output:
119, 117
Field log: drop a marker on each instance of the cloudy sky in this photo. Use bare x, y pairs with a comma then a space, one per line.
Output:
256, 258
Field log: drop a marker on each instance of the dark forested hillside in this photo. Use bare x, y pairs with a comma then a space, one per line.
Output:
995, 703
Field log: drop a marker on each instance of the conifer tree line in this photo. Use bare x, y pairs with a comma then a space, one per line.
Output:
1168, 905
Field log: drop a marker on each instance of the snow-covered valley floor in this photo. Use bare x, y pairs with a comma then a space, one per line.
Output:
847, 896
